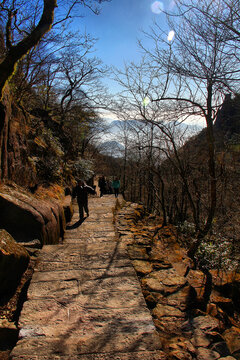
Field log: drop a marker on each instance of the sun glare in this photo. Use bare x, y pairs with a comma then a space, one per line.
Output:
146, 101
171, 35
172, 4
157, 7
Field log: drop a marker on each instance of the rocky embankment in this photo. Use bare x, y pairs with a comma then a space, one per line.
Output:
27, 222
189, 329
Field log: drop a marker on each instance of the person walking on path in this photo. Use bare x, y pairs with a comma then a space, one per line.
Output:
116, 186
102, 185
81, 191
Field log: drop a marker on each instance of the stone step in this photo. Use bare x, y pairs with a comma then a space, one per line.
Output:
85, 300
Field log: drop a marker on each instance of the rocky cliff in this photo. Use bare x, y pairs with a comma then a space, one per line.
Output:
27, 221
14, 161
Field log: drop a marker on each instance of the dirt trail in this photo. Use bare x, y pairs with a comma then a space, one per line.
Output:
84, 300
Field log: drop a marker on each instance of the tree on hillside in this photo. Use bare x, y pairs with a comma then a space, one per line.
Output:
225, 14
23, 28
155, 125
199, 70
132, 105
78, 80
24, 42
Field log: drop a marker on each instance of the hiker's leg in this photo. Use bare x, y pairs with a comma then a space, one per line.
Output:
80, 206
86, 209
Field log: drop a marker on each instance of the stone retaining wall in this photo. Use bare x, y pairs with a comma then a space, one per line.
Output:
187, 332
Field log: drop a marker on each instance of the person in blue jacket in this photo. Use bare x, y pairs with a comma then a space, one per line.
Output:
116, 186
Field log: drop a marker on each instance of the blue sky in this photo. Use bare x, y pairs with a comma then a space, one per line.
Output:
119, 26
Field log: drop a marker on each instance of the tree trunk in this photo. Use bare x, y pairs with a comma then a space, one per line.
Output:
211, 163
16, 52
7, 67
2, 125
212, 173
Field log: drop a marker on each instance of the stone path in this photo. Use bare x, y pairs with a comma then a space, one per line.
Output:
84, 300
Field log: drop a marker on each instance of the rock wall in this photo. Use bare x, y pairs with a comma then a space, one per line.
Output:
14, 260
32, 222
175, 296
14, 164
27, 218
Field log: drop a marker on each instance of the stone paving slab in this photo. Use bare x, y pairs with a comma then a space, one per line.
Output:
88, 344
53, 289
118, 284
83, 274
84, 300
63, 288
79, 310
89, 237
89, 263
142, 355
73, 252
78, 328
68, 238
50, 311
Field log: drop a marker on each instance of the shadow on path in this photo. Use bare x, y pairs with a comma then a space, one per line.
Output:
76, 225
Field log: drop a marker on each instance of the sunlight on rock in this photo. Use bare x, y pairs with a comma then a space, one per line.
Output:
157, 7
171, 35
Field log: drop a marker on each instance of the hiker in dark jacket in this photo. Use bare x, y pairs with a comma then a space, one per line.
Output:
81, 191
102, 185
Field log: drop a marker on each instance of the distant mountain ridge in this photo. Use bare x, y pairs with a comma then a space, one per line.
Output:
112, 147
116, 125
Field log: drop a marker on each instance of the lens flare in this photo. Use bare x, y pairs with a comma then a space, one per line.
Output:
172, 5
157, 7
171, 35
146, 101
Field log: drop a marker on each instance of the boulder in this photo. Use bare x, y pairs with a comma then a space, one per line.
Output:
224, 303
182, 299
14, 260
179, 355
8, 334
207, 354
199, 339
67, 207
221, 348
164, 281
142, 267
206, 323
166, 310
232, 338
168, 319
27, 218
137, 252
180, 343
228, 285
196, 279
169, 325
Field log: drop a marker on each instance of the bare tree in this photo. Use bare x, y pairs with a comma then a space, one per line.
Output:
199, 71
23, 26
23, 29
78, 79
